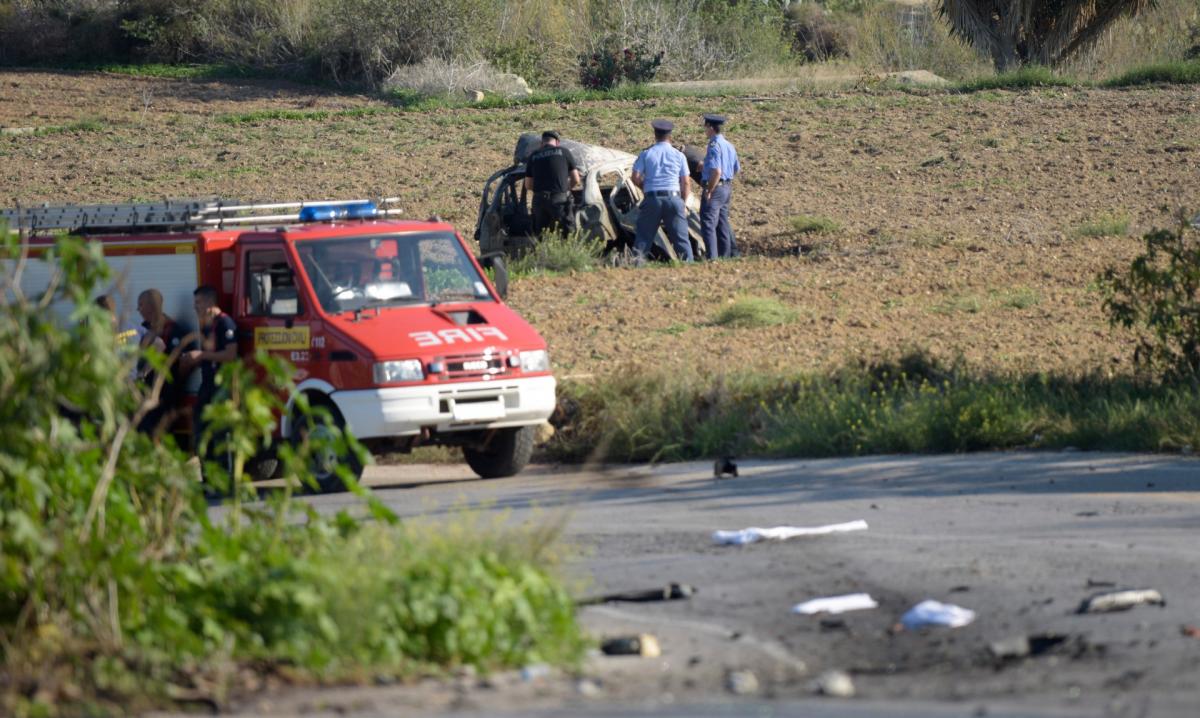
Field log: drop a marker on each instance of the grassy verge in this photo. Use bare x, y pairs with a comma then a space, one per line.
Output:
1026, 78
913, 405
1173, 73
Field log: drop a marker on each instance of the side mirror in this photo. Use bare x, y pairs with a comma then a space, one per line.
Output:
495, 262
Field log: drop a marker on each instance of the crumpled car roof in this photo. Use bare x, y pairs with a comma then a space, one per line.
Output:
586, 156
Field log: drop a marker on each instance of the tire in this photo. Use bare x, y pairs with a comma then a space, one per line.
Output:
323, 467
507, 454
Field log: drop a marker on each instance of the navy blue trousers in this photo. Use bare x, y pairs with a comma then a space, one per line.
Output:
669, 213
714, 223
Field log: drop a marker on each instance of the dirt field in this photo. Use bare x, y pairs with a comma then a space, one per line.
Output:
959, 215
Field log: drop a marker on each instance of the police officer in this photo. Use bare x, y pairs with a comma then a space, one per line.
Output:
551, 173
661, 172
720, 167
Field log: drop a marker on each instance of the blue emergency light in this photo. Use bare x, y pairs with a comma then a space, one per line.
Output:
330, 212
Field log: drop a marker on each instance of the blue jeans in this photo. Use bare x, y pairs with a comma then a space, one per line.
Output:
714, 223
668, 213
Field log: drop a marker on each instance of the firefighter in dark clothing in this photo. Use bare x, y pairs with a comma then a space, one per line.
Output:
551, 173
219, 345
171, 338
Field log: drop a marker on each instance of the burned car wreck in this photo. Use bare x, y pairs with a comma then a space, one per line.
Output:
605, 207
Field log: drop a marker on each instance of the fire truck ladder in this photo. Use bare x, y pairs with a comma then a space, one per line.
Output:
186, 214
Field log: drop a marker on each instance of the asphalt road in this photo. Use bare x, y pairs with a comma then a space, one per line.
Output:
1021, 539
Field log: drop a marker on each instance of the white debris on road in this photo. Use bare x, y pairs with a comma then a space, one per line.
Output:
936, 613
782, 533
836, 604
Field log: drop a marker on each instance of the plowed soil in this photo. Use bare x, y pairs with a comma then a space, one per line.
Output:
960, 216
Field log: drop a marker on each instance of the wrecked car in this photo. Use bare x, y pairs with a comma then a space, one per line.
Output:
605, 206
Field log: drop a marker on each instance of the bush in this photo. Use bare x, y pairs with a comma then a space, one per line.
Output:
612, 65
811, 224
817, 34
1159, 297
896, 37
1170, 73
117, 589
436, 77
553, 253
750, 312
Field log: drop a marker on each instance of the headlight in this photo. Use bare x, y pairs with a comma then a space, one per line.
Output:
389, 372
538, 360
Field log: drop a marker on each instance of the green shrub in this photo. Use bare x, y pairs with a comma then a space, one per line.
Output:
612, 65
118, 591
1108, 225
1159, 296
754, 312
812, 224
1184, 72
554, 253
1027, 78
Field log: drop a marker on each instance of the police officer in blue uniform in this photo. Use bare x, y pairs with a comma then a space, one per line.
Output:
661, 172
720, 167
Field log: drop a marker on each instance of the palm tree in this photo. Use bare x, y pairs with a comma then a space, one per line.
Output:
1043, 32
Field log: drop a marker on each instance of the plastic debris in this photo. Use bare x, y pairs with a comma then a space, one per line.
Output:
1025, 646
1190, 631
782, 533
670, 592
836, 684
936, 613
836, 604
587, 688
1122, 600
741, 683
645, 645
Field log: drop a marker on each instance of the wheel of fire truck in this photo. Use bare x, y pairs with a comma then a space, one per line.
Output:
506, 453
323, 464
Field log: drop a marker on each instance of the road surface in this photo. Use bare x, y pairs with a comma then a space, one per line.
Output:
1020, 538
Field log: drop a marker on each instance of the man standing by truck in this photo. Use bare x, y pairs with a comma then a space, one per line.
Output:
218, 346
551, 173
168, 336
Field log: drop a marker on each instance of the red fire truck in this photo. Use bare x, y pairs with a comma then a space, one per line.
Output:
391, 324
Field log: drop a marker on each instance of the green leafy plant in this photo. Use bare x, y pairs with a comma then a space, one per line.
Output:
119, 591
612, 65
554, 253
1158, 296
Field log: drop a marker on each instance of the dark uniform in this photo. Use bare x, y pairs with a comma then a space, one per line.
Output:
174, 336
550, 169
220, 333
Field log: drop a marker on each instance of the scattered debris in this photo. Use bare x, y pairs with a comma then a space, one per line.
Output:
741, 683
723, 467
960, 589
836, 604
1025, 646
670, 592
1190, 631
587, 688
1087, 514
1100, 583
834, 624
919, 77
836, 684
644, 645
936, 613
781, 533
1121, 601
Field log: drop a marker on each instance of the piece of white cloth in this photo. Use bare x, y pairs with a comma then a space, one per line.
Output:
836, 604
936, 613
780, 533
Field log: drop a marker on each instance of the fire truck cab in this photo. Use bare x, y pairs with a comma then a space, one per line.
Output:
391, 324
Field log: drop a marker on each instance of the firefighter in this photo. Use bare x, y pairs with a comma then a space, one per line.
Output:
169, 336
720, 167
218, 346
551, 173
661, 172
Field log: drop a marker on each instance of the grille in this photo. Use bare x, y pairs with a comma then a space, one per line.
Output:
468, 366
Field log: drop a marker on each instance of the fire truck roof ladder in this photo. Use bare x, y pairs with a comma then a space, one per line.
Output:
185, 214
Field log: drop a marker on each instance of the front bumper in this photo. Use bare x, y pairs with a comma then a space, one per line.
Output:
466, 406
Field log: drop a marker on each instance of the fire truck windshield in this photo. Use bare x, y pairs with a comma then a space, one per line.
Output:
394, 270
